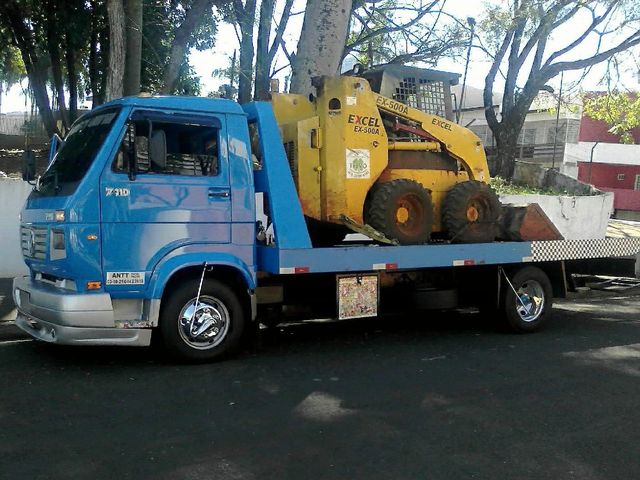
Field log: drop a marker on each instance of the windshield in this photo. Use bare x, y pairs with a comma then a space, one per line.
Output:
77, 154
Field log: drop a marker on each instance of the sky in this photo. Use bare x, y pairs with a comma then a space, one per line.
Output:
219, 57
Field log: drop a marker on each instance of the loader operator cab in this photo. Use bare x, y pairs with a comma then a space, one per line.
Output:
424, 89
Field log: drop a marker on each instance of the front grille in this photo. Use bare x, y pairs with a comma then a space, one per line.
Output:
34, 242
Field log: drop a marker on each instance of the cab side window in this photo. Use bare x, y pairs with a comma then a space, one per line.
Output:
169, 149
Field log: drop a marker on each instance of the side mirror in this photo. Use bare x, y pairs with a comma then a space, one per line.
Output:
56, 144
28, 166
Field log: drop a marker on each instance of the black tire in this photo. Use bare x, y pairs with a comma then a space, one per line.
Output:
471, 212
512, 311
402, 210
225, 310
325, 234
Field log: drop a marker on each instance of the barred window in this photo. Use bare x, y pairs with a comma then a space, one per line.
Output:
190, 150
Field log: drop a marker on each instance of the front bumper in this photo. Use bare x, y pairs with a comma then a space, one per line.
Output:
56, 315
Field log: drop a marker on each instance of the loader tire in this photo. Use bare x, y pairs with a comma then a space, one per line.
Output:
402, 210
470, 213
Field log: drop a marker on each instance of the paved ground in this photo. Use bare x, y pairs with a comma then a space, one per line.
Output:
443, 398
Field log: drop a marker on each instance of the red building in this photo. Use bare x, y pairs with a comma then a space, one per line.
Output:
611, 166
597, 131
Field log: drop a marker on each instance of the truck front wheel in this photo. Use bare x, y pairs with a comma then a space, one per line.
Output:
207, 331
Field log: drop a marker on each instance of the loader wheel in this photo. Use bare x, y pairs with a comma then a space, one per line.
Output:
402, 210
470, 213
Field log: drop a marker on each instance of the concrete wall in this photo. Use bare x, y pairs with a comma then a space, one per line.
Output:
575, 217
535, 175
13, 193
581, 214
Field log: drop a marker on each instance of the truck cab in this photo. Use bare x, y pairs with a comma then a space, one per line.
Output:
142, 196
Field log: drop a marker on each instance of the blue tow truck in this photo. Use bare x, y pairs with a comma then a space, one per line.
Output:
144, 224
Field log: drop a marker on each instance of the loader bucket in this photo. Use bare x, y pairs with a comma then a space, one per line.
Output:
527, 223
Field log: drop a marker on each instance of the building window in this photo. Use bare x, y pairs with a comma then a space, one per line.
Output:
621, 176
527, 136
560, 136
636, 186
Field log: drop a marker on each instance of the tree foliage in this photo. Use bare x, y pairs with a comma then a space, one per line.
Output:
519, 37
619, 110
403, 31
64, 48
12, 69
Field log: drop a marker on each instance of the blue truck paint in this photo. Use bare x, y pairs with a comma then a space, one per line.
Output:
412, 257
197, 256
276, 182
159, 225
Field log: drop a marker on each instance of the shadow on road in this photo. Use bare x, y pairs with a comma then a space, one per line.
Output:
442, 396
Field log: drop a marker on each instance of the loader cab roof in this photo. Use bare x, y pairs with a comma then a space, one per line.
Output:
422, 88
399, 71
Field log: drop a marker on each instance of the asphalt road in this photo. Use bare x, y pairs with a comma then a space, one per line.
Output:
443, 398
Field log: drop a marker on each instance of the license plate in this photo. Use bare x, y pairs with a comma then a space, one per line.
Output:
357, 296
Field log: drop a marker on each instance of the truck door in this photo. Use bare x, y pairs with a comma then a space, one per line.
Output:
166, 187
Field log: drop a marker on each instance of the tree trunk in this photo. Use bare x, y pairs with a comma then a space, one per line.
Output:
25, 41
184, 32
93, 56
322, 40
72, 81
115, 71
103, 60
506, 151
54, 55
246, 18
263, 62
133, 67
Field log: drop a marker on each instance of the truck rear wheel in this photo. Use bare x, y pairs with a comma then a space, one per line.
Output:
402, 210
470, 212
208, 331
526, 309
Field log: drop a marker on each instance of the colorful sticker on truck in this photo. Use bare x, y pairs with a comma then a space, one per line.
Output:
125, 278
358, 163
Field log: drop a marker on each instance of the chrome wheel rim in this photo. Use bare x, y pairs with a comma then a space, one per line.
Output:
530, 301
206, 326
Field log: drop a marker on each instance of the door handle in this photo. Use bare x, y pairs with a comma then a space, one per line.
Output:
219, 193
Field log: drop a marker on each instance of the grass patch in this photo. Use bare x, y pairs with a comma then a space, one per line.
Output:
505, 187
